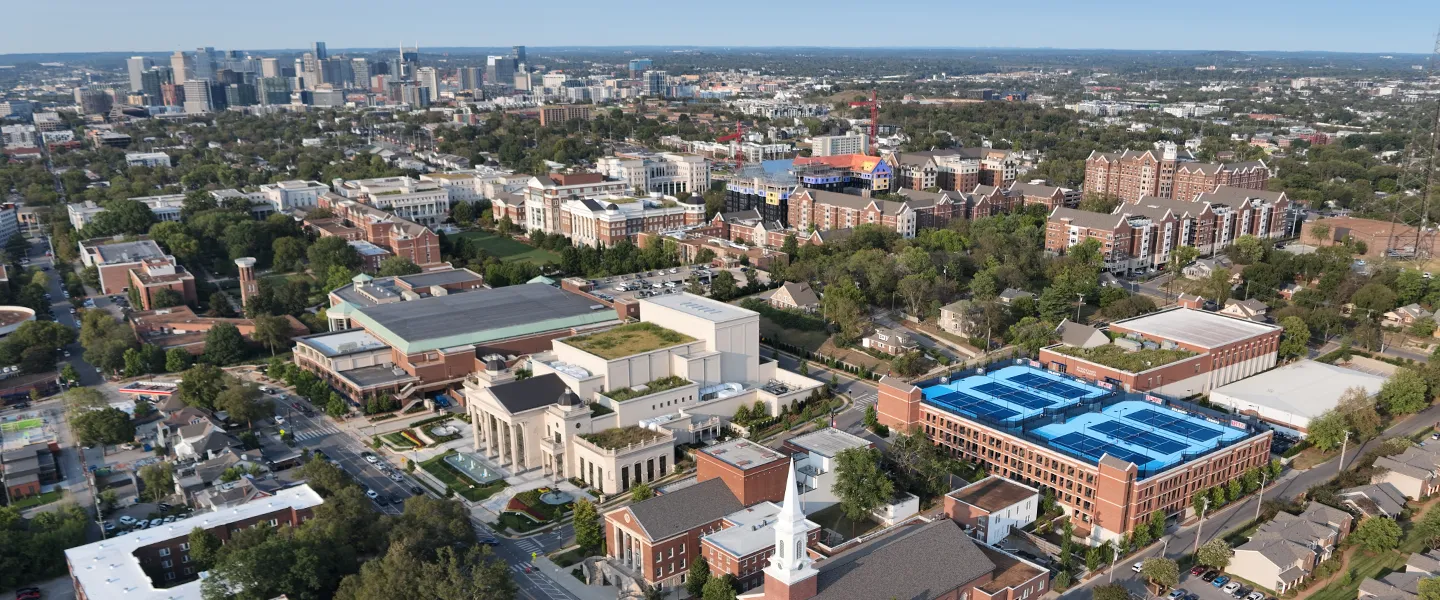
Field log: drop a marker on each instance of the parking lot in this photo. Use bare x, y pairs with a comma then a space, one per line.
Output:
1196, 588
663, 281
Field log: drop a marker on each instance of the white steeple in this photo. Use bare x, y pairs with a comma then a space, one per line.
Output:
790, 563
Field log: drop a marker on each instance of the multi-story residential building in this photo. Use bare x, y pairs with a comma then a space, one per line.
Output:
845, 171
147, 159
423, 202
956, 169
607, 221
991, 507
1285, 550
1049, 196
766, 192
156, 564
544, 196
1130, 175
25, 469
286, 195
18, 136
1017, 422
824, 210
550, 115
666, 173
1139, 236
401, 237
164, 273
834, 145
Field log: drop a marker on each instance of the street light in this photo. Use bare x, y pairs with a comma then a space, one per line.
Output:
1340, 468
1264, 477
1079, 303
1114, 556
1201, 524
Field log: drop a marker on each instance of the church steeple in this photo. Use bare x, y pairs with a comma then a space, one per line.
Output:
790, 563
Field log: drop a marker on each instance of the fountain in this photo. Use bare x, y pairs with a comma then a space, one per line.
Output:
473, 467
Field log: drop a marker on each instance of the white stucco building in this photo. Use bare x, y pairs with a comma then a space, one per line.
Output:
424, 202
667, 173
293, 194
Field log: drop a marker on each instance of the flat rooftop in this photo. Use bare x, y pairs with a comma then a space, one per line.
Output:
127, 252
828, 442
742, 453
376, 375
751, 530
698, 306
1153, 437
627, 340
444, 277
1304, 388
479, 316
1010, 394
109, 569
993, 493
343, 342
1195, 327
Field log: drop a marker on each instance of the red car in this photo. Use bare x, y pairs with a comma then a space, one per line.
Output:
1197, 570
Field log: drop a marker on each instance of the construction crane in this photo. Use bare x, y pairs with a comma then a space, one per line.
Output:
874, 104
1420, 172
739, 138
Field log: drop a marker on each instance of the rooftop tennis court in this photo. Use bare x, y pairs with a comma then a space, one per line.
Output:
1009, 394
1151, 436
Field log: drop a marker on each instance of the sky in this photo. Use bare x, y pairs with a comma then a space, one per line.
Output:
1400, 26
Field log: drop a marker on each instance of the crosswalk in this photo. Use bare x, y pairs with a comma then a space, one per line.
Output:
865, 399
529, 545
318, 430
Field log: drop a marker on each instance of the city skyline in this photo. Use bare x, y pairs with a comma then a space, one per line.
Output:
1389, 26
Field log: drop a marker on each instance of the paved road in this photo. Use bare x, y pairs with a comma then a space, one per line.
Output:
863, 394
1291, 485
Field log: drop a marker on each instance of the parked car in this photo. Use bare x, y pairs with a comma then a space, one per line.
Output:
109, 527
29, 593
170, 519
417, 490
371, 494
127, 520
1230, 587
1197, 570
1210, 576
1220, 581
1178, 594
156, 522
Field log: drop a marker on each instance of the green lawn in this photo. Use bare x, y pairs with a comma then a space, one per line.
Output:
32, 501
21, 425
508, 249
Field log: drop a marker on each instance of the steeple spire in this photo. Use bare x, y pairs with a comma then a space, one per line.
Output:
790, 563
790, 509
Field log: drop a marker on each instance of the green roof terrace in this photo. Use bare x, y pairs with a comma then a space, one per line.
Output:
628, 340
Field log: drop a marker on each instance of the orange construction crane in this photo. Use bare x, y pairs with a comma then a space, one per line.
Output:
739, 139
874, 104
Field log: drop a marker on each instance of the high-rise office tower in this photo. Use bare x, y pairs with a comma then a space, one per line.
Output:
337, 72
640, 65
218, 96
227, 77
500, 70
197, 96
409, 61
429, 78
180, 67
137, 66
522, 78
273, 90
309, 69
151, 82
203, 63
270, 67
93, 101
655, 82
518, 53
318, 49
172, 94
360, 73
240, 94
470, 78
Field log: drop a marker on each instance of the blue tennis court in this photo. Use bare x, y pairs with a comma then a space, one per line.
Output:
962, 401
1051, 386
1175, 424
1009, 394
1139, 437
1095, 448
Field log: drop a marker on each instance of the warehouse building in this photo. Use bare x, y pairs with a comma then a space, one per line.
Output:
1291, 396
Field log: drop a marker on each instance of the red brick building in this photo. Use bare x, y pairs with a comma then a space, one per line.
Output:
1130, 175
954, 169
357, 221
155, 274
832, 210
1049, 196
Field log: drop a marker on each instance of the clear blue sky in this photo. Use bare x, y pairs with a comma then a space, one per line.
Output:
167, 25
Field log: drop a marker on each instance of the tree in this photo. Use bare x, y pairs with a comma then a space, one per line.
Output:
224, 345
103, 427
641, 492
332, 251
1373, 300
1112, 591
846, 306
204, 548
723, 286
134, 363
397, 265
697, 577
1160, 571
860, 483
1296, 337
201, 385
719, 588
1320, 233
1360, 413
165, 298
68, 373
177, 360
1404, 393
37, 360
1327, 431
244, 402
463, 212
286, 253
158, 479
1032, 334
917, 290
1248, 250
1377, 534
588, 532
1430, 588
908, 364
1215, 553
272, 331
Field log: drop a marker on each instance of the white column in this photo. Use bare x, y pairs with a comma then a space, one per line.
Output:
515, 448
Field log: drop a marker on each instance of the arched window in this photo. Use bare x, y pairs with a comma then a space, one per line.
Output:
780, 550
797, 551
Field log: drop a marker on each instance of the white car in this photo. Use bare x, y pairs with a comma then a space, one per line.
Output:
397, 477
279, 420
1136, 567
371, 494
156, 522
127, 520
1231, 587
1255, 596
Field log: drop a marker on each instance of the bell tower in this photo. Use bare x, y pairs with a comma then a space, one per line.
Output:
790, 575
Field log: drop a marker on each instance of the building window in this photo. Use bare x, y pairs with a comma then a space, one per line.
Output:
185, 546
164, 552
169, 577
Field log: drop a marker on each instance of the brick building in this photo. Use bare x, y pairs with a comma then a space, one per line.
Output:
180, 327
155, 563
826, 210
562, 113
354, 220
955, 169
608, 220
544, 196
155, 274
1131, 175
1049, 196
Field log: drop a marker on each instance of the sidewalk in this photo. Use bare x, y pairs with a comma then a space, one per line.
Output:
564, 579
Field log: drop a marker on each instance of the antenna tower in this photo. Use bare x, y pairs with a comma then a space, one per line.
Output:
1412, 233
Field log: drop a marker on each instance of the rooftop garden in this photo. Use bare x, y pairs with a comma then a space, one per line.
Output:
654, 387
1129, 361
627, 340
597, 409
616, 438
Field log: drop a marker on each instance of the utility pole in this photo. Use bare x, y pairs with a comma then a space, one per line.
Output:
1264, 478
1114, 556
1079, 303
1340, 468
1205, 507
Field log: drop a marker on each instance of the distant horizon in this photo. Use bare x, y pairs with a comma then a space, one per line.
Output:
92, 26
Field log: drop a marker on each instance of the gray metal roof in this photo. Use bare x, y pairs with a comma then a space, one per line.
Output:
125, 252
529, 394
828, 441
925, 563
1196, 327
480, 316
680, 511
445, 277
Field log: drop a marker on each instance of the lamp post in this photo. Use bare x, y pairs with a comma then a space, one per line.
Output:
1203, 508
1259, 500
1114, 557
1079, 303
1340, 468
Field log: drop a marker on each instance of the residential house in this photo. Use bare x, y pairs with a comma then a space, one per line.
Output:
1375, 500
955, 318
1402, 585
1405, 316
793, 295
1251, 309
890, 341
1010, 295
1079, 335
1415, 472
202, 441
991, 507
1203, 268
1286, 549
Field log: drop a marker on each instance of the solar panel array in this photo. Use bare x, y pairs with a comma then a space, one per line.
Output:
1050, 386
1139, 437
1175, 424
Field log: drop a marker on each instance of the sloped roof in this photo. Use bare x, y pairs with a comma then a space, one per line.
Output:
1085, 218
925, 563
684, 509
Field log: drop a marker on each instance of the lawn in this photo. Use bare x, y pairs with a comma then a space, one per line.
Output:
509, 249
14, 426
458, 481
44, 498
620, 437
1366, 565
834, 519
398, 441
627, 340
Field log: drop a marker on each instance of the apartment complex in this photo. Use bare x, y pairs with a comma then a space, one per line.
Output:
1131, 175
666, 173
834, 145
401, 237
1111, 459
955, 169
1140, 235
1043, 194
562, 113
544, 195
1178, 352
824, 210
155, 563
423, 202
1285, 550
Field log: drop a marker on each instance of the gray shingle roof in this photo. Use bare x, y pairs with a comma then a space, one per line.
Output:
685, 509
529, 394
923, 563
1085, 218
